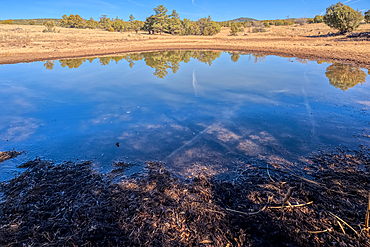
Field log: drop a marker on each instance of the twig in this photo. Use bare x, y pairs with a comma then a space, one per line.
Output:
291, 206
214, 211
316, 232
367, 215
345, 223
306, 180
240, 212
287, 196
268, 173
341, 227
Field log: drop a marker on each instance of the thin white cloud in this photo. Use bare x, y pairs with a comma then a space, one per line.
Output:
190, 14
355, 1
139, 4
198, 90
305, 7
98, 2
351, 1
193, 2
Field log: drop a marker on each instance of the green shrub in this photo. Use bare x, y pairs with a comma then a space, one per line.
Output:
342, 17
10, 21
32, 22
318, 19
367, 16
50, 26
72, 21
110, 29
234, 28
92, 24
259, 30
279, 22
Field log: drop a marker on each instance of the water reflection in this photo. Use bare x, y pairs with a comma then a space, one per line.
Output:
345, 76
341, 76
160, 61
49, 65
242, 106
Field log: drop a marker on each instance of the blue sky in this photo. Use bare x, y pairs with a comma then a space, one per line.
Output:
219, 10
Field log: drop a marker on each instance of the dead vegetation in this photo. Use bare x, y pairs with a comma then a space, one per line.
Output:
265, 205
8, 155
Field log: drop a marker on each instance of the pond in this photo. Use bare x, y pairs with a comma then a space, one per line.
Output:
189, 109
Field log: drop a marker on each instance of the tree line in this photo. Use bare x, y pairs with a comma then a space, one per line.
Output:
160, 22
338, 16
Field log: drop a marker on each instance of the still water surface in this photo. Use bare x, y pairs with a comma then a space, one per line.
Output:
189, 109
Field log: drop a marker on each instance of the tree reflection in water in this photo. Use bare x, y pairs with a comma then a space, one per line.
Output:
160, 61
49, 65
345, 76
341, 76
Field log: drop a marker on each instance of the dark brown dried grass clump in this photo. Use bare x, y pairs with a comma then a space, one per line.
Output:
8, 155
71, 205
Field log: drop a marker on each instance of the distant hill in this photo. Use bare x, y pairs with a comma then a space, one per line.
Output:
243, 19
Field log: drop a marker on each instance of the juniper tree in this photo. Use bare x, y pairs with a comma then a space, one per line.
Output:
318, 19
234, 28
342, 17
92, 23
105, 22
118, 25
72, 21
137, 25
367, 16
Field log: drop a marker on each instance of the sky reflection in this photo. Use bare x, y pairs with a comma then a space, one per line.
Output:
190, 109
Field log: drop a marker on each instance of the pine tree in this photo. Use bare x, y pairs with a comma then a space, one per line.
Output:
148, 24
174, 23
160, 19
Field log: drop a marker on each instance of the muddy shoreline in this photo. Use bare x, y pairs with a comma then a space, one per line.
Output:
355, 60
